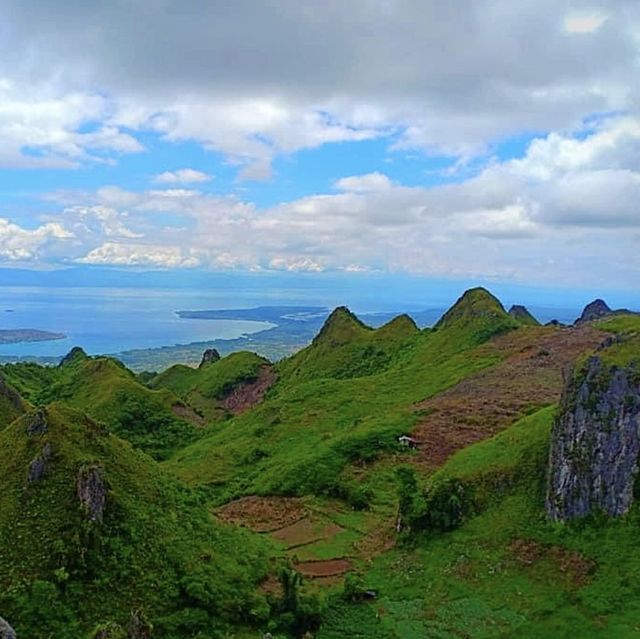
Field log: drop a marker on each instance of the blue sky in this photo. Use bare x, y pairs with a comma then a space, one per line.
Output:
400, 137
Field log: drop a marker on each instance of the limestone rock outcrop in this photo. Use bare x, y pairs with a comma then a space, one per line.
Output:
593, 461
6, 631
92, 492
209, 356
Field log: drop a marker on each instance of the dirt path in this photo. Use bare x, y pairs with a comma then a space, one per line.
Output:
481, 405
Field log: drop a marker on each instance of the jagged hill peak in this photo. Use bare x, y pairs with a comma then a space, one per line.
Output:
475, 304
594, 310
75, 355
400, 326
521, 314
340, 327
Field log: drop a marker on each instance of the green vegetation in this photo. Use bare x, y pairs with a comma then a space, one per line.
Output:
203, 388
326, 414
344, 531
156, 548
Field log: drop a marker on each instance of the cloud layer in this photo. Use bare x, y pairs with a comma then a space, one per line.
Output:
85, 84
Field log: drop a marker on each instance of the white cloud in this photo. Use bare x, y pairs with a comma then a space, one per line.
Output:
141, 255
20, 244
584, 22
364, 183
182, 176
43, 127
439, 77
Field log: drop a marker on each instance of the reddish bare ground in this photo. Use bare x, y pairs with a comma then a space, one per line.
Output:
324, 568
529, 376
263, 514
188, 414
246, 395
306, 531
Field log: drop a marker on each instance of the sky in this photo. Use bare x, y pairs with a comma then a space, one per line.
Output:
484, 140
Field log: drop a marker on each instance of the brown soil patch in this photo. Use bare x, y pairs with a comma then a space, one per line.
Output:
529, 376
188, 414
306, 531
576, 568
263, 514
246, 395
324, 568
379, 540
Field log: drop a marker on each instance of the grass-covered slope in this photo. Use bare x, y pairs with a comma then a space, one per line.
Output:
345, 348
108, 392
91, 529
500, 568
317, 421
205, 388
11, 404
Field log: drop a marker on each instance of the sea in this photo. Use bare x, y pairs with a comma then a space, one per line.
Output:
109, 321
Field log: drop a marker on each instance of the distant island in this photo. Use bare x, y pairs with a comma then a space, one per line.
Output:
17, 335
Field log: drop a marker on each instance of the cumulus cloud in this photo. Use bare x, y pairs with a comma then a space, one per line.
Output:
550, 216
442, 77
20, 244
182, 176
140, 255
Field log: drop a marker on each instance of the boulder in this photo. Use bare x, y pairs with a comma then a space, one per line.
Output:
40, 465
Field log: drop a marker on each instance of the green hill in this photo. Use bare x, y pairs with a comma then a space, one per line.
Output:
401, 473
156, 421
345, 347
91, 529
205, 388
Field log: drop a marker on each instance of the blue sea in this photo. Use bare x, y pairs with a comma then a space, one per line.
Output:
105, 320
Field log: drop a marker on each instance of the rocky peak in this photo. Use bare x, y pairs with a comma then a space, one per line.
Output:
521, 314
76, 354
6, 631
209, 356
594, 310
92, 492
593, 461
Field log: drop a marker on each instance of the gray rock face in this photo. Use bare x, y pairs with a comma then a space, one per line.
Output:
209, 356
10, 394
6, 631
92, 492
37, 422
39, 466
594, 310
593, 461
139, 627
